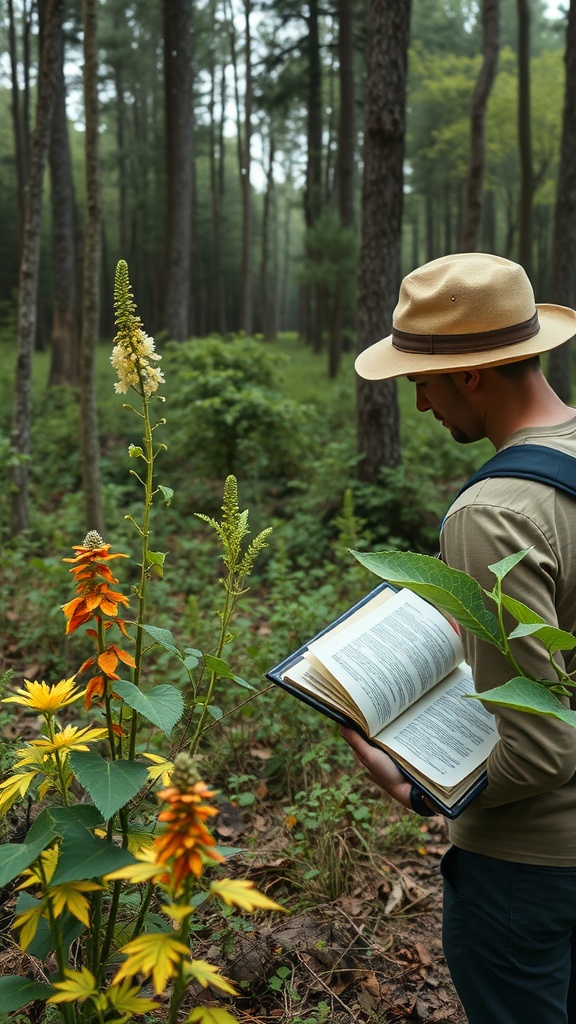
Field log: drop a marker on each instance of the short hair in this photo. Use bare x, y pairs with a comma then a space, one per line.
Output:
520, 369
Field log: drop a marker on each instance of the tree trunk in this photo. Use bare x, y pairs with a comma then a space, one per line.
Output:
244, 139
564, 245
218, 311
17, 125
179, 160
52, 12
267, 277
313, 190
382, 192
94, 516
65, 332
525, 136
482, 89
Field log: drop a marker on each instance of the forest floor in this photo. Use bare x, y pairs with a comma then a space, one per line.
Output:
372, 955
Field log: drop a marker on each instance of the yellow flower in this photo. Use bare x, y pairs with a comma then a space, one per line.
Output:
157, 954
70, 738
161, 768
46, 699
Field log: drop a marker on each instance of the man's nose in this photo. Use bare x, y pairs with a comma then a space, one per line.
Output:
422, 403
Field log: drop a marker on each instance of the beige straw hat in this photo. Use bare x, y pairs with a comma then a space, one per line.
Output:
467, 309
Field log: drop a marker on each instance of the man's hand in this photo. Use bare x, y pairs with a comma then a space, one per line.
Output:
379, 766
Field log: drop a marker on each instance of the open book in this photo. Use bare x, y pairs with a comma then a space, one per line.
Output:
392, 667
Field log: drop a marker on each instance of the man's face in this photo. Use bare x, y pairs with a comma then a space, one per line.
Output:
444, 394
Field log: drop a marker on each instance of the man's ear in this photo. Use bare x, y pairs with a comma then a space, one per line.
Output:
467, 381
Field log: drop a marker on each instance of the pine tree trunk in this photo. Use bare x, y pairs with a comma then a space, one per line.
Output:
525, 136
482, 89
52, 15
91, 482
179, 161
564, 245
382, 193
65, 340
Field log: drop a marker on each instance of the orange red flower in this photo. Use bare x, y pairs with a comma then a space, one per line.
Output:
186, 843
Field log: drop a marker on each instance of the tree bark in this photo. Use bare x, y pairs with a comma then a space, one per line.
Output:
564, 244
525, 136
65, 329
244, 139
52, 14
179, 162
382, 192
93, 511
482, 89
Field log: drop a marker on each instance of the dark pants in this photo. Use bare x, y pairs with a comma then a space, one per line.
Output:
509, 936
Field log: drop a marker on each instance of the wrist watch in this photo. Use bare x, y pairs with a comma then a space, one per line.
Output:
418, 803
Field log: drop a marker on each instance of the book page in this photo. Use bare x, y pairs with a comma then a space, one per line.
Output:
389, 657
444, 737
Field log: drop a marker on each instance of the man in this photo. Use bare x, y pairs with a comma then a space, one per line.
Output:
467, 333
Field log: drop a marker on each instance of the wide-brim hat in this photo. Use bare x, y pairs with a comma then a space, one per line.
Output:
469, 309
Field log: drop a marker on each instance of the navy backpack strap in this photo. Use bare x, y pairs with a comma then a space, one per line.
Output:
530, 462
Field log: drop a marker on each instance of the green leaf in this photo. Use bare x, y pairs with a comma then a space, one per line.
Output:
16, 992
521, 611
216, 712
523, 694
164, 638
451, 591
503, 567
155, 562
162, 705
223, 671
88, 857
167, 492
110, 784
16, 857
553, 639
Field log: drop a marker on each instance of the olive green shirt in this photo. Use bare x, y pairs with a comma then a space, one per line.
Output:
527, 813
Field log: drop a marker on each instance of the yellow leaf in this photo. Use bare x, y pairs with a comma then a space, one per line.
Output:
44, 869
142, 871
79, 985
177, 911
239, 892
207, 974
157, 954
208, 1015
14, 787
28, 921
69, 896
161, 768
126, 999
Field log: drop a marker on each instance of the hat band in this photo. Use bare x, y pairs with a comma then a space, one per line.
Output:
451, 344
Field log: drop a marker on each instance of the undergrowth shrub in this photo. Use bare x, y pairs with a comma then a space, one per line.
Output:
228, 412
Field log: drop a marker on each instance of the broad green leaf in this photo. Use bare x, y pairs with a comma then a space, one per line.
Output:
16, 857
523, 694
88, 857
553, 639
503, 567
16, 992
521, 611
74, 821
214, 711
451, 591
162, 705
223, 670
110, 784
163, 637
